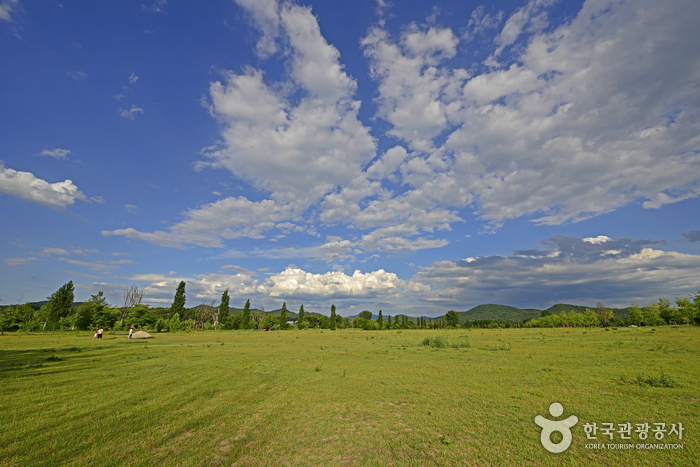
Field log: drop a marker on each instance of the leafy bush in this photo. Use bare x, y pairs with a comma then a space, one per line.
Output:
661, 381
437, 342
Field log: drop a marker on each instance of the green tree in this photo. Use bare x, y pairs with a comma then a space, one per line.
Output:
635, 314
174, 323
83, 316
396, 321
380, 320
604, 315
283, 316
246, 315
365, 314
332, 321
9, 319
388, 322
268, 321
651, 315
60, 303
452, 319
140, 315
224, 308
666, 310
301, 321
178, 306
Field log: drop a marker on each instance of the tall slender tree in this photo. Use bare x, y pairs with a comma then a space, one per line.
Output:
224, 308
388, 322
380, 320
60, 303
246, 315
332, 317
178, 305
283, 316
300, 319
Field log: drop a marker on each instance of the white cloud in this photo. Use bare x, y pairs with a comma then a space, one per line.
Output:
578, 121
54, 251
131, 208
530, 16
25, 185
294, 283
597, 240
20, 261
161, 288
266, 17
481, 21
133, 78
298, 152
56, 153
225, 219
663, 198
77, 75
158, 6
7, 8
131, 113
97, 265
581, 122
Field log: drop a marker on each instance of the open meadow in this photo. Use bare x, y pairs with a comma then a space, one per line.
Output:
346, 397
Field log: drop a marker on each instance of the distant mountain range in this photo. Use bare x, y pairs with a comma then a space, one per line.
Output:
479, 312
513, 314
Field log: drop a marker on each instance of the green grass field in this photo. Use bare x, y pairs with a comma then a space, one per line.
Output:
347, 397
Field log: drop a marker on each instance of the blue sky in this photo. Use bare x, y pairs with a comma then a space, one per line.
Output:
415, 157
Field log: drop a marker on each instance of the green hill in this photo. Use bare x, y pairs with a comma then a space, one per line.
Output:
497, 313
621, 313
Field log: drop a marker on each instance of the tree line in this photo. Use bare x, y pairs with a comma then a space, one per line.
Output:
59, 313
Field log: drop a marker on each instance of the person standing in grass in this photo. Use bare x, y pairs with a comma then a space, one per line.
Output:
99, 333
95, 336
131, 331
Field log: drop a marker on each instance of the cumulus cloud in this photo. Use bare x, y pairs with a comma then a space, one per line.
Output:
25, 185
225, 219
161, 288
299, 151
568, 270
56, 153
573, 122
294, 283
266, 17
133, 78
580, 121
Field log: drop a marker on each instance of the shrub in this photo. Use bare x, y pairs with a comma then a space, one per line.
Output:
661, 381
438, 342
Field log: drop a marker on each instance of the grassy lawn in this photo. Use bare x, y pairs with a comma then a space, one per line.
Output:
347, 397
